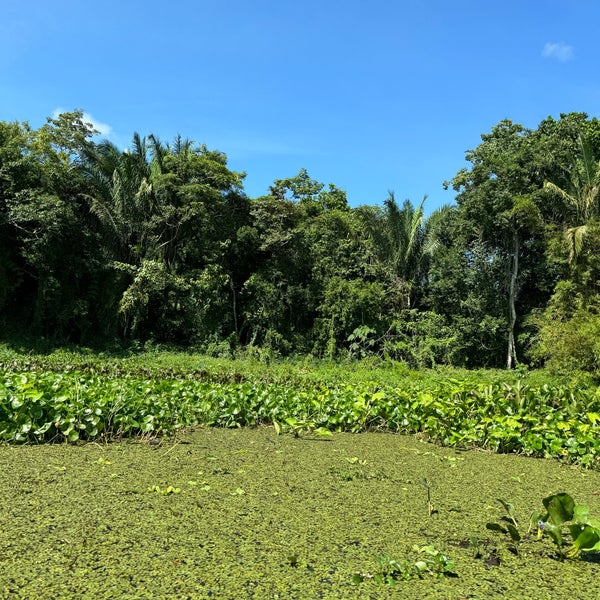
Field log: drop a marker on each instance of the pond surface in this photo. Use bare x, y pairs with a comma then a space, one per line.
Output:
248, 514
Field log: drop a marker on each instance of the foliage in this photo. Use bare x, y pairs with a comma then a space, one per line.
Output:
568, 331
297, 531
348, 306
508, 525
156, 489
389, 570
562, 515
559, 420
421, 339
562, 518
159, 244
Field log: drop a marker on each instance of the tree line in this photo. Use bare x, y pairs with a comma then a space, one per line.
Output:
160, 243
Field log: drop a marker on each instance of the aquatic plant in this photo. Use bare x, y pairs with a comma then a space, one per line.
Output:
508, 525
566, 523
561, 421
563, 516
390, 570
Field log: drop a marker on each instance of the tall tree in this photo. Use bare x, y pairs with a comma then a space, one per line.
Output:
57, 291
581, 197
15, 178
402, 245
170, 213
496, 207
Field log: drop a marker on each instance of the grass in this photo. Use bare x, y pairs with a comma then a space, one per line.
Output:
266, 516
300, 371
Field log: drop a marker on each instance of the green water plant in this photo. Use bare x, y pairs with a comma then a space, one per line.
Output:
430, 561
352, 474
427, 486
508, 525
564, 518
566, 523
356, 471
297, 427
111, 400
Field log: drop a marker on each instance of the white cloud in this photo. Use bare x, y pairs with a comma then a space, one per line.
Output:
103, 129
558, 50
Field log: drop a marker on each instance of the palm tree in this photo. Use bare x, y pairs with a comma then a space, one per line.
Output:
123, 200
581, 198
403, 242
122, 197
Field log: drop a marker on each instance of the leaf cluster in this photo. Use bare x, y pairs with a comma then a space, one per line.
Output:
430, 562
564, 516
562, 421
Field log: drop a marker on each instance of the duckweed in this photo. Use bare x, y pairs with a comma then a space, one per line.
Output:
265, 516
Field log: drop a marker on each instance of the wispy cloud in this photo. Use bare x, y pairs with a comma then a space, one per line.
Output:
102, 128
558, 50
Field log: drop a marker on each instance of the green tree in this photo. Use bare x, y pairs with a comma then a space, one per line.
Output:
276, 306
465, 286
15, 177
402, 245
496, 200
341, 254
170, 215
57, 287
581, 197
309, 193
347, 306
567, 327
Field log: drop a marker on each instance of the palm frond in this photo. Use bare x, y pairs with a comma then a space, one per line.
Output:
588, 164
569, 198
575, 238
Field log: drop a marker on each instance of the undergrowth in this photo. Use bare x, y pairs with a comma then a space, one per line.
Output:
70, 396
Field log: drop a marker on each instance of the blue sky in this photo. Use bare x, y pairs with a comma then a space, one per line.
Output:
371, 96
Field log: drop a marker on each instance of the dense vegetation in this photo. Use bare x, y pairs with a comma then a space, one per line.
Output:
71, 397
160, 243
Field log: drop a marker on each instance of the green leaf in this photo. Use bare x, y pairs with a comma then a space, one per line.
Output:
560, 508
495, 527
585, 537
554, 532
514, 533
421, 566
323, 432
510, 509
41, 430
581, 513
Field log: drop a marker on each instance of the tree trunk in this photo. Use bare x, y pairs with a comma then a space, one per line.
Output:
511, 359
234, 305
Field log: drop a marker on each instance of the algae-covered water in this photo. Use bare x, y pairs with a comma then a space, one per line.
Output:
245, 513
